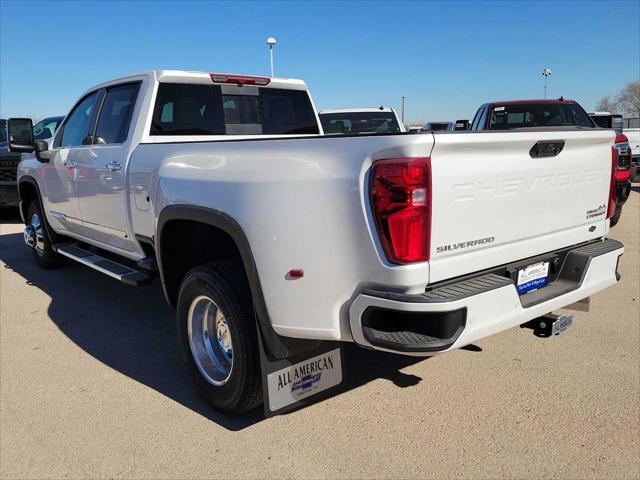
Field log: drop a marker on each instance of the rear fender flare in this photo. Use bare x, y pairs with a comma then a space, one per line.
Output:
276, 345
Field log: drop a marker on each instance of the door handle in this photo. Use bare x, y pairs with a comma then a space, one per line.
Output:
69, 164
113, 166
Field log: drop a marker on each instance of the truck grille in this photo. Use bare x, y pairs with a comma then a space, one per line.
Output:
8, 169
7, 175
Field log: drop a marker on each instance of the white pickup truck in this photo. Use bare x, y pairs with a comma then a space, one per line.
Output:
275, 243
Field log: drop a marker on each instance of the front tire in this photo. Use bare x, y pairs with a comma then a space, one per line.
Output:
42, 248
217, 332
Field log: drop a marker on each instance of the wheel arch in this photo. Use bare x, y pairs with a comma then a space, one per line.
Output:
174, 217
28, 190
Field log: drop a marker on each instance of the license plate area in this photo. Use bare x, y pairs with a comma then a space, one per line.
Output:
532, 277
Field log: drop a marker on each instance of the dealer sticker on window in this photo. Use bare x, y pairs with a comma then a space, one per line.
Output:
533, 277
304, 379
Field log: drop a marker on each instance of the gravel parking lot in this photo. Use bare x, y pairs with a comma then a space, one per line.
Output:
92, 385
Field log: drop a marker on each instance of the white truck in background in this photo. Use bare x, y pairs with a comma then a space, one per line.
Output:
631, 128
357, 121
275, 243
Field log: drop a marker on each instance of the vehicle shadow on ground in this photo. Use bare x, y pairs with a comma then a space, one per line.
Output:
132, 330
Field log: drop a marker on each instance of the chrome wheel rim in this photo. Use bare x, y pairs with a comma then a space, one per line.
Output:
38, 234
210, 340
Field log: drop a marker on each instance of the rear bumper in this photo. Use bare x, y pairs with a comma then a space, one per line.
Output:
460, 313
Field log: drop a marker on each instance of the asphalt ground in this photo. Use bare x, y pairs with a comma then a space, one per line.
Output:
92, 385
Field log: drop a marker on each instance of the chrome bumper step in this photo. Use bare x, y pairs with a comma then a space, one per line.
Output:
116, 270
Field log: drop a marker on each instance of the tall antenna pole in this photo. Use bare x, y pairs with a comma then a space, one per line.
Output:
546, 72
271, 42
403, 97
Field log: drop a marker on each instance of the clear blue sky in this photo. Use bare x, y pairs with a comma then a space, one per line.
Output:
446, 58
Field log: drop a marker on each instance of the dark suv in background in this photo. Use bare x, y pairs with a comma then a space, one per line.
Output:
43, 130
8, 168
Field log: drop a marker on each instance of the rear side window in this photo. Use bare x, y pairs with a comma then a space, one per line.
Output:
193, 109
508, 117
359, 122
115, 114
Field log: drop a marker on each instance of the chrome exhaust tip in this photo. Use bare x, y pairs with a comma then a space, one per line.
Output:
29, 236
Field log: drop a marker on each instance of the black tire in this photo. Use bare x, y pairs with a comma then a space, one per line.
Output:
46, 257
616, 216
225, 283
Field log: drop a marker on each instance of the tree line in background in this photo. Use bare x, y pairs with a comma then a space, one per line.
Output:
625, 102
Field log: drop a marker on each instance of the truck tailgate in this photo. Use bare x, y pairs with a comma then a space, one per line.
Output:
494, 203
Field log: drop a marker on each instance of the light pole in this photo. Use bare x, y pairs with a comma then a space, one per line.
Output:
271, 42
403, 97
546, 72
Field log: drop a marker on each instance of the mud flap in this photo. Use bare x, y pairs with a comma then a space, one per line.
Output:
300, 379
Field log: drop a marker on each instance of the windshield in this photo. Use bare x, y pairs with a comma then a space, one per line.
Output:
359, 122
508, 117
3, 131
46, 128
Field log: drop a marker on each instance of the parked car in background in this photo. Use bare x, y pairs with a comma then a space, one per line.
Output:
44, 129
350, 121
461, 125
438, 127
415, 128
516, 114
607, 120
631, 128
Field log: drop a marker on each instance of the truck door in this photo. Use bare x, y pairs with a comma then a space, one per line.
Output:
61, 173
101, 182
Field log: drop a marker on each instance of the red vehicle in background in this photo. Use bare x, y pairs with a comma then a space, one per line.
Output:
524, 114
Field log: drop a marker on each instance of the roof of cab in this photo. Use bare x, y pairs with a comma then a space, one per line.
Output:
546, 101
182, 76
357, 110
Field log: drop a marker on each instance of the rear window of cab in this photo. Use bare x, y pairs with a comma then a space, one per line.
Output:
195, 109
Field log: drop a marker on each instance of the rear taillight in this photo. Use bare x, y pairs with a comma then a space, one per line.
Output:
621, 138
623, 175
613, 197
623, 168
401, 204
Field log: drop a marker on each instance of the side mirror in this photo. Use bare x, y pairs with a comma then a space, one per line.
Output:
43, 154
20, 135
